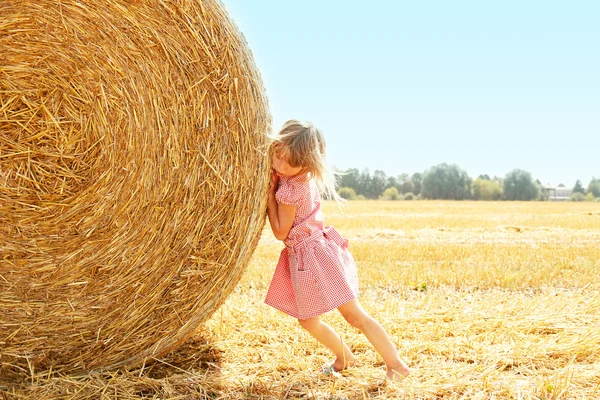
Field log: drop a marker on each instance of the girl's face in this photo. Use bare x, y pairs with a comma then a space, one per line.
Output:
283, 168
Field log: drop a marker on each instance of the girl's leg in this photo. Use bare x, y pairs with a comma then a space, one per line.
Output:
330, 339
358, 317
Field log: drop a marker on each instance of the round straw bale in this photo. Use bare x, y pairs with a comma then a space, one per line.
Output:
132, 177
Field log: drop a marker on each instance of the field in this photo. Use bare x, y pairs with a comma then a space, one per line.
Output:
484, 301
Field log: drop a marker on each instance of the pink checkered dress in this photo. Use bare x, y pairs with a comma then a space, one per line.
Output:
315, 273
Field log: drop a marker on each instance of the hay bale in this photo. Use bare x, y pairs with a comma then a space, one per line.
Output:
131, 177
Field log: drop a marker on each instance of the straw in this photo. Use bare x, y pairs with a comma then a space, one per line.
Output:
132, 177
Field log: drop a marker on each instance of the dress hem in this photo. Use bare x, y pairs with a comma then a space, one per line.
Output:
314, 314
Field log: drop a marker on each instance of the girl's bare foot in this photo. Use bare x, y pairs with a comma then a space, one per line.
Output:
397, 372
339, 365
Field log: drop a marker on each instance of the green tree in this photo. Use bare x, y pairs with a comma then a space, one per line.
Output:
405, 184
390, 194
445, 181
519, 185
391, 182
578, 196
578, 188
377, 185
350, 178
364, 183
543, 194
486, 189
416, 179
347, 193
590, 197
594, 187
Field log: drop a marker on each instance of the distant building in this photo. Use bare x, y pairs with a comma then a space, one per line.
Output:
559, 193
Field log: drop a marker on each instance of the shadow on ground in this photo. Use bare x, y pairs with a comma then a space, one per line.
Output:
192, 371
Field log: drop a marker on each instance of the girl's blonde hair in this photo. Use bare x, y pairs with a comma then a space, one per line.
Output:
301, 144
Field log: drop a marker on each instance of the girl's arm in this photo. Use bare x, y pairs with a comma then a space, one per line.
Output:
281, 216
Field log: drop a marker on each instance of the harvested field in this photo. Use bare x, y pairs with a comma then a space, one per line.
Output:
484, 300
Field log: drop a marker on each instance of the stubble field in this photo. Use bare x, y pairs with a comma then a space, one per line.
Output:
484, 301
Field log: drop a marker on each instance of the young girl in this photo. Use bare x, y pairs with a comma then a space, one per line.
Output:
316, 273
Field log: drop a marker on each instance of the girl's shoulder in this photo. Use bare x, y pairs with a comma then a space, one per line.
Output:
293, 191
298, 181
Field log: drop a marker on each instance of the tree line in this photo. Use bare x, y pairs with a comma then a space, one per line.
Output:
450, 182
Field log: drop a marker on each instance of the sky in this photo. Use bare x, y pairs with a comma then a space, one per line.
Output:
401, 86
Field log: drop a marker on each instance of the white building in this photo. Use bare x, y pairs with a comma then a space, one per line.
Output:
559, 193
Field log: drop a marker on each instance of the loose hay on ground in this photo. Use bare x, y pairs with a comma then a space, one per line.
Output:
478, 342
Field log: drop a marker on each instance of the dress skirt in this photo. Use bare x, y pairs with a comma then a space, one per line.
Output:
314, 277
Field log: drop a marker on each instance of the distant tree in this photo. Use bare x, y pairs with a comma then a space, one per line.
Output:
416, 179
390, 194
590, 197
364, 183
350, 178
578, 196
391, 182
578, 188
484, 177
377, 186
594, 187
445, 181
486, 189
347, 193
519, 185
409, 196
405, 184
543, 194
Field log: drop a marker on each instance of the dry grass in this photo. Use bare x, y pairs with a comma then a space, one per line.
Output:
485, 301
130, 132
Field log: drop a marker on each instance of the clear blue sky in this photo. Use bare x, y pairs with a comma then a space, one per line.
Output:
401, 86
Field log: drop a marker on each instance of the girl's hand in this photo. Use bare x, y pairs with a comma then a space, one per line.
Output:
273, 185
281, 216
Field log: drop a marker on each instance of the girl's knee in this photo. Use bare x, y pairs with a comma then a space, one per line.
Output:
309, 323
357, 319
354, 314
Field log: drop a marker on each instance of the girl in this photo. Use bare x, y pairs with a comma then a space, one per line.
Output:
316, 273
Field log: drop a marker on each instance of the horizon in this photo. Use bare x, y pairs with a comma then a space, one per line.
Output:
401, 87
473, 177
